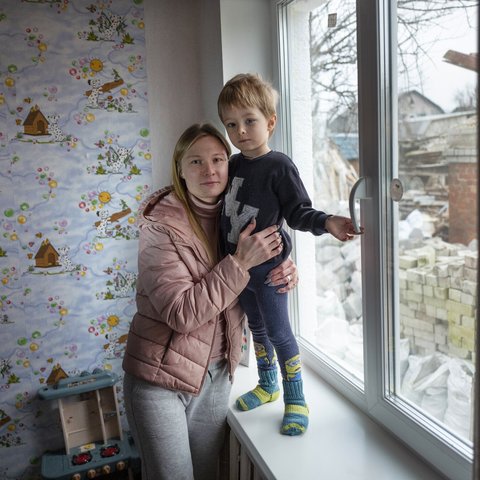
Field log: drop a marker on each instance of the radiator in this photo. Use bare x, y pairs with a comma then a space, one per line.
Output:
236, 463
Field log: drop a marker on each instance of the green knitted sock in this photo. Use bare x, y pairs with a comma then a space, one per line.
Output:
266, 391
295, 417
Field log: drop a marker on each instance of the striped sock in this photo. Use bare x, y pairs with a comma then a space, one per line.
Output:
266, 391
295, 417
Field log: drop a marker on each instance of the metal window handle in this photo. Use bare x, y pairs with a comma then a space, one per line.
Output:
359, 191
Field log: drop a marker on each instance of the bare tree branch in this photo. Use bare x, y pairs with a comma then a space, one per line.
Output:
334, 50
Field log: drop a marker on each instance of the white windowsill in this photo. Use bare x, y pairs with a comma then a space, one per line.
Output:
341, 442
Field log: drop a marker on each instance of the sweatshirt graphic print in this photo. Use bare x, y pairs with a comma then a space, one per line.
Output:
269, 189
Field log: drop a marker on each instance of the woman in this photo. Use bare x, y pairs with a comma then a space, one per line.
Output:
185, 339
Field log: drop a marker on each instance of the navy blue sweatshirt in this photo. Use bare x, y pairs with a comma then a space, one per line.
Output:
268, 188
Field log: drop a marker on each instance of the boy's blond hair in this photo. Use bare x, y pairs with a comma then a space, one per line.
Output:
248, 90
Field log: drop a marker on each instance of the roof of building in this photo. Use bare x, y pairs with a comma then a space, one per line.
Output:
347, 144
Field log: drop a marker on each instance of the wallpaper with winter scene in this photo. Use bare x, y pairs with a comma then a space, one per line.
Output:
75, 165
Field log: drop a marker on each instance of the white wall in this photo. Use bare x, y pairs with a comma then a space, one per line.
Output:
211, 65
193, 47
247, 40
246, 37
173, 70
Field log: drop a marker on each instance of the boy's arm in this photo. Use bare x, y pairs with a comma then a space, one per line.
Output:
296, 204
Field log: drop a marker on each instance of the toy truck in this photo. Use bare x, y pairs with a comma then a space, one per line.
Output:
95, 445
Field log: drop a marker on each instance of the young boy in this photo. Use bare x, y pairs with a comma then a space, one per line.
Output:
265, 185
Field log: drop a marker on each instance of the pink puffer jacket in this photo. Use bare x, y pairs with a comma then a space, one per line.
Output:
179, 300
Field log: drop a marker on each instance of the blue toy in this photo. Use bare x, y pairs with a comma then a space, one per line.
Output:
95, 445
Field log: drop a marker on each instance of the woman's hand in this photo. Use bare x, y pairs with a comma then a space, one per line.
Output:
341, 228
285, 274
252, 250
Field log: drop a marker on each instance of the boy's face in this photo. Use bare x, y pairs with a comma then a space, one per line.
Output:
249, 130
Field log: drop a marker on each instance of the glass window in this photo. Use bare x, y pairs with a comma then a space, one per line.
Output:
322, 78
436, 227
384, 95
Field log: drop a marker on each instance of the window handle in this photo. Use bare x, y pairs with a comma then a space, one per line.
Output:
359, 191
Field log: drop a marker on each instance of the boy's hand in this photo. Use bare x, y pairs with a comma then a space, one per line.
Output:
341, 228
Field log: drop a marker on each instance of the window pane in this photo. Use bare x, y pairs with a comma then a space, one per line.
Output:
436, 239
322, 76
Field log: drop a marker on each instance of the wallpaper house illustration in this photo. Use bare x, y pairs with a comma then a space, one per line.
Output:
75, 166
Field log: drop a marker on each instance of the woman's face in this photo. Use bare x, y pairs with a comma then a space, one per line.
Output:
204, 167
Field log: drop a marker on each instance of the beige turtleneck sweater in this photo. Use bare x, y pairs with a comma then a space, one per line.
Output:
207, 215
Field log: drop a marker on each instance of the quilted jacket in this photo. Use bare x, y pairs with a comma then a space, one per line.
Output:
180, 297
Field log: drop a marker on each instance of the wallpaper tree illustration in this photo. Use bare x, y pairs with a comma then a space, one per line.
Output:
75, 165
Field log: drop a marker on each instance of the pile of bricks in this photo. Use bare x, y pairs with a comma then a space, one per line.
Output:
438, 299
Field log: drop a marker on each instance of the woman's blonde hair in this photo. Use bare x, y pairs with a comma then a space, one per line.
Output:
186, 140
248, 90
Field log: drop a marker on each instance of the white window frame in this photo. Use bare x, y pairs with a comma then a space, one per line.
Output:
445, 452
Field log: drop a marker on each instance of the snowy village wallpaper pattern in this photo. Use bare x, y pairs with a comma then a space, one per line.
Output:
75, 165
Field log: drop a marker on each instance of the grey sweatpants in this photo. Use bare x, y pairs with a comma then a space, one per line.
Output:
179, 436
